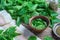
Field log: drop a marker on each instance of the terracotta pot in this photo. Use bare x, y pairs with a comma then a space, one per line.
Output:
36, 17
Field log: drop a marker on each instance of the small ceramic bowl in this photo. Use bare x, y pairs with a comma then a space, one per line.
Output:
36, 17
55, 28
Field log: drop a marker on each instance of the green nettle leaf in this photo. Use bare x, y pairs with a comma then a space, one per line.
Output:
2, 37
26, 19
40, 9
42, 5
3, 2
1, 7
34, 7
11, 11
17, 7
1, 31
54, 14
39, 1
35, 13
48, 38
22, 11
20, 1
30, 5
32, 38
44, 13
56, 20
18, 21
51, 24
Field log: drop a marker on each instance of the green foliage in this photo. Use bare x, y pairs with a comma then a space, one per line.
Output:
39, 24
32, 38
22, 10
48, 38
8, 34
18, 21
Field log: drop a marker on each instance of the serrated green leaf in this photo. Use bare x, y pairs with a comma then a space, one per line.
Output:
2, 37
32, 38
11, 11
1, 31
34, 7
48, 38
18, 21
22, 11
35, 13
17, 7
26, 19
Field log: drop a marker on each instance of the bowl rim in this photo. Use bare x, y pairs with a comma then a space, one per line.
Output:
54, 29
30, 22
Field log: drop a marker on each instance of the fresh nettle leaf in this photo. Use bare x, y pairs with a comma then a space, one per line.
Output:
48, 38
11, 11
22, 11
1, 31
2, 37
19, 1
34, 7
35, 13
29, 5
26, 19
43, 13
56, 20
32, 38
53, 13
39, 1
18, 21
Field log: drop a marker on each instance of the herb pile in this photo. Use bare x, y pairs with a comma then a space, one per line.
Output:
22, 10
39, 24
8, 34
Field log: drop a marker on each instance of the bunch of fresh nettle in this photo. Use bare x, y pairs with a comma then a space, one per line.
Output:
22, 10
9, 33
